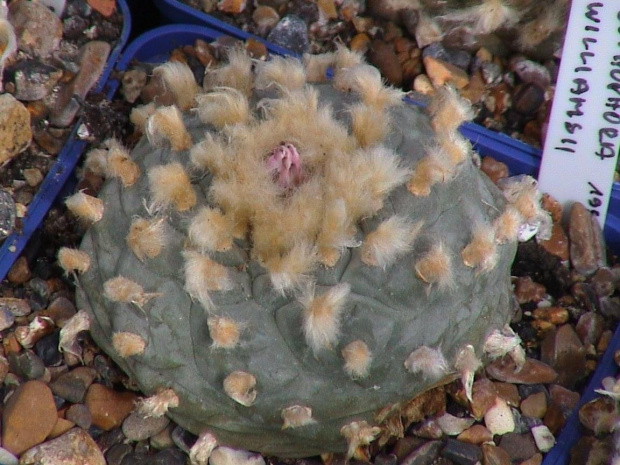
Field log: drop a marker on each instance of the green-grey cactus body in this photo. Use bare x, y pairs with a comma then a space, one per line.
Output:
314, 242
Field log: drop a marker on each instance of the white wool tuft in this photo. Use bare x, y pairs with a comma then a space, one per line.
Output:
427, 361
321, 316
392, 239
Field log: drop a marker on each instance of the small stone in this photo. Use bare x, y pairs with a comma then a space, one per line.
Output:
498, 419
327, 9
526, 290
8, 212
535, 405
459, 58
536, 459
494, 455
533, 372
256, 49
530, 72
603, 282
20, 271
132, 83
105, 7
26, 365
265, 18
426, 453
508, 392
6, 458
38, 30
29, 416
61, 427
405, 446
33, 176
4, 368
477, 434
590, 327
528, 98
383, 56
117, 453
93, 58
33, 79
385, 459
227, 456
137, 427
441, 73
72, 386
599, 415
163, 439
587, 247
557, 244
452, 425
79, 414
6, 318
483, 397
360, 43
423, 85
519, 446
108, 407
554, 315
461, 452
291, 32
233, 7
494, 169
567, 400
18, 307
47, 349
543, 438
75, 447
563, 351
60, 310
474, 91
604, 340
428, 429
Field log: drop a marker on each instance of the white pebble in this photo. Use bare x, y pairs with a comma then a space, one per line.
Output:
543, 437
499, 419
6, 458
227, 456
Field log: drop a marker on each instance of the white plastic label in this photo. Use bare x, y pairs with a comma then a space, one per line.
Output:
583, 138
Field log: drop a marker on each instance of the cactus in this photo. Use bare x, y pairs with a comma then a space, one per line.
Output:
290, 255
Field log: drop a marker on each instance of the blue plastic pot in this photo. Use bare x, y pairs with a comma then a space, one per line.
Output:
57, 176
155, 46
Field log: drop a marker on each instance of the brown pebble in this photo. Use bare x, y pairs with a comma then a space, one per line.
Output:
590, 327
441, 73
494, 169
535, 405
552, 206
494, 455
599, 415
75, 447
528, 98
604, 340
360, 43
554, 315
61, 427
508, 392
527, 290
603, 282
483, 397
28, 417
474, 91
108, 407
105, 7
20, 271
533, 372
233, 7
536, 459
557, 244
587, 251
519, 446
382, 55
477, 434
563, 351
256, 49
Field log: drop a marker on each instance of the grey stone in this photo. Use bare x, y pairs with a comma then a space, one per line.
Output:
137, 427
461, 453
26, 364
7, 214
38, 29
291, 33
33, 79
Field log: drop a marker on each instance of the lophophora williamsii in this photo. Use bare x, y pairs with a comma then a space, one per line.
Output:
282, 257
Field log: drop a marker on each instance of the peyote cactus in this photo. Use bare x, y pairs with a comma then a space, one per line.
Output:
288, 258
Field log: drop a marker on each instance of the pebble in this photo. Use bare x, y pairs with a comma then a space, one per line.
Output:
38, 29
499, 419
543, 438
526, 290
291, 32
222, 455
461, 452
47, 349
441, 73
7, 213
477, 434
26, 365
533, 372
29, 416
15, 131
405, 446
79, 414
163, 439
6, 318
426, 453
494, 455
429, 429
6, 458
557, 244
19, 272
494, 169
137, 427
519, 446
93, 58
108, 407
534, 405
459, 58
599, 415
530, 72
508, 392
60, 310
587, 250
164, 457
383, 56
528, 98
72, 386
105, 7
423, 85
117, 453
483, 397
61, 427
562, 350
231, 6
265, 18
75, 447
33, 79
